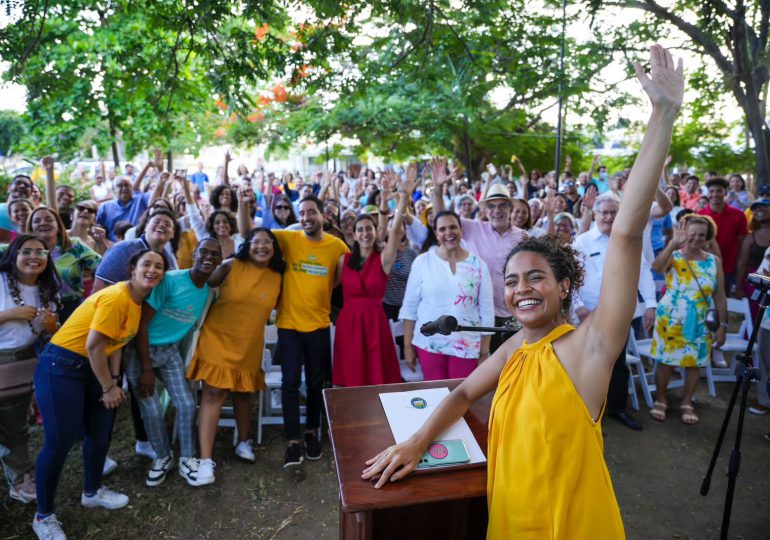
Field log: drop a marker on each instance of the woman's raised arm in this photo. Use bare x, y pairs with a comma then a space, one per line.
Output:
608, 325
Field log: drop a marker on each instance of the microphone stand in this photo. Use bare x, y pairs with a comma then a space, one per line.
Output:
495, 329
509, 327
747, 373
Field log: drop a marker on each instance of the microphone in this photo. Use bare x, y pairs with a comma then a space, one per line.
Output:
444, 325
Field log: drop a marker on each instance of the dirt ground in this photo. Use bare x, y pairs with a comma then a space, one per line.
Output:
656, 474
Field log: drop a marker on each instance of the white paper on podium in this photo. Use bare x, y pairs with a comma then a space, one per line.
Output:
405, 419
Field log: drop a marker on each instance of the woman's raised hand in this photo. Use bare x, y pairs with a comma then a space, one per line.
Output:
408, 185
679, 237
393, 463
438, 171
665, 83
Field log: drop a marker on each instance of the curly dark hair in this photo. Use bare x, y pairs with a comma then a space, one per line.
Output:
214, 198
563, 259
276, 264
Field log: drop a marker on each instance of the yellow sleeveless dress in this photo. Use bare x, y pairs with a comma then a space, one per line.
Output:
547, 478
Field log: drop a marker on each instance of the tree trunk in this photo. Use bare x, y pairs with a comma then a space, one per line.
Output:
756, 123
170, 161
114, 142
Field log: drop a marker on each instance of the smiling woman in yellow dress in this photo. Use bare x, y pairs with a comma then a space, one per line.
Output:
546, 472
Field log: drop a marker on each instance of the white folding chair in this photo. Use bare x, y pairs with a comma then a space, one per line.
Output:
269, 408
640, 348
735, 342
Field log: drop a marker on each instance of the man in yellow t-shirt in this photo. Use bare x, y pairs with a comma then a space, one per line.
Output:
312, 269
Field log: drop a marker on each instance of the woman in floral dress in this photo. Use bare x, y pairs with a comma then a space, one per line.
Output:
694, 284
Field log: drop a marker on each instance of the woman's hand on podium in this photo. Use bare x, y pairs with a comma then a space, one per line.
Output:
394, 462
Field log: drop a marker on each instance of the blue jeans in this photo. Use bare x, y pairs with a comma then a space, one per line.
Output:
298, 349
68, 396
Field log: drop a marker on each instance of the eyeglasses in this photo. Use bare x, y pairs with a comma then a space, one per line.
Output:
162, 224
282, 207
27, 252
264, 242
607, 213
86, 209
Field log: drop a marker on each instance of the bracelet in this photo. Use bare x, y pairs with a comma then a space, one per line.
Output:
116, 377
723, 323
108, 390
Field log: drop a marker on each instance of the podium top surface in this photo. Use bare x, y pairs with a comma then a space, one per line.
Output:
360, 430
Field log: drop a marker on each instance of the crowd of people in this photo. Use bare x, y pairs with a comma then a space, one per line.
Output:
170, 277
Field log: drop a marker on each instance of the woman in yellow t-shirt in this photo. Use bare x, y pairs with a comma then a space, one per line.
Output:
546, 472
76, 386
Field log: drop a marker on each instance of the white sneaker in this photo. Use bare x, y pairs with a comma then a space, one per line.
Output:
245, 451
158, 471
106, 498
48, 528
144, 448
205, 472
25, 491
188, 469
109, 466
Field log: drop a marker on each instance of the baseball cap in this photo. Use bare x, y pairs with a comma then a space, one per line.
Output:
760, 202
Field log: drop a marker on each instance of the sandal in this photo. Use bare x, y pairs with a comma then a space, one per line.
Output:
658, 411
688, 415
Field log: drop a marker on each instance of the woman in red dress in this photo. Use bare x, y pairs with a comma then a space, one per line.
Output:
364, 351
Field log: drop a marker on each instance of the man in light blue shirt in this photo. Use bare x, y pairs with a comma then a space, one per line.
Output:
601, 183
128, 206
169, 313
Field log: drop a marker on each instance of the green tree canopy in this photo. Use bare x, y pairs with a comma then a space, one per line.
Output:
11, 131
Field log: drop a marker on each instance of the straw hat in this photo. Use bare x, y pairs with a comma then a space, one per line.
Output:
497, 192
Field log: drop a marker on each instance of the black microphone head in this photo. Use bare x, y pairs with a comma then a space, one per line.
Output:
446, 324
429, 328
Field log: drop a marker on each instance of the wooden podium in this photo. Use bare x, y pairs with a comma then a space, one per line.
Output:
423, 506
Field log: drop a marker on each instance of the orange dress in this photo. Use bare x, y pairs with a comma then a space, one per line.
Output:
546, 476
229, 352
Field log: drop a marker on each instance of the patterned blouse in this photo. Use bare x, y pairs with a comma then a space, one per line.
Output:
71, 265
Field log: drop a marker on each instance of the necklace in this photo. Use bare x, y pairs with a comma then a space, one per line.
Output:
13, 285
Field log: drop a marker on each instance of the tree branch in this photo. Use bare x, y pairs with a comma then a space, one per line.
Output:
35, 41
426, 30
764, 23
695, 33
